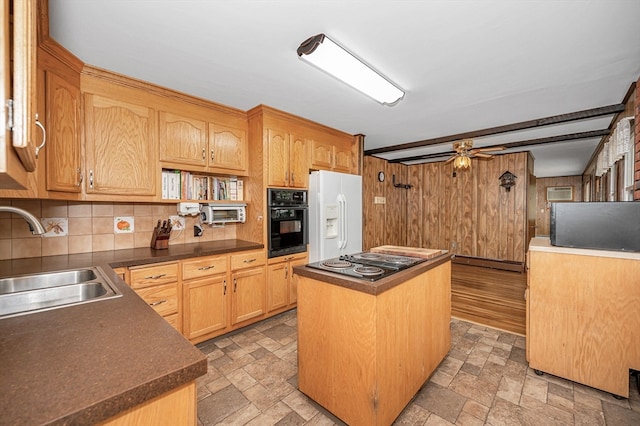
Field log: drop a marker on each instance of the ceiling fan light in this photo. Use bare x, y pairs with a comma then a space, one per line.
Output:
462, 162
328, 56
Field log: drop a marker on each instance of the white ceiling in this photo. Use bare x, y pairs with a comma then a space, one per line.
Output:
465, 64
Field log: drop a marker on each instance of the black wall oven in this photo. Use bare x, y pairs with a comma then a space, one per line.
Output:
288, 221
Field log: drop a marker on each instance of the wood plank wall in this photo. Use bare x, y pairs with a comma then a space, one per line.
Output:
543, 207
468, 214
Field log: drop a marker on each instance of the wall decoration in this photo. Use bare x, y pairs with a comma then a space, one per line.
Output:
123, 225
55, 226
177, 222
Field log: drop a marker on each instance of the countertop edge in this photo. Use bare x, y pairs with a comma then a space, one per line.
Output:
543, 244
135, 396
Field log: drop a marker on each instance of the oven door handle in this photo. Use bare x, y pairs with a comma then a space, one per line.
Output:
342, 227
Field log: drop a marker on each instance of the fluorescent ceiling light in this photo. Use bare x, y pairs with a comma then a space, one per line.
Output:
333, 59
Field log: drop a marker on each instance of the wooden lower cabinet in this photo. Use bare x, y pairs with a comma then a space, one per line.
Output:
158, 286
176, 407
248, 281
207, 296
582, 314
248, 297
204, 297
281, 287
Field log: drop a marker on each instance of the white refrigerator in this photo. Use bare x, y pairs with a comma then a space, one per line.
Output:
335, 215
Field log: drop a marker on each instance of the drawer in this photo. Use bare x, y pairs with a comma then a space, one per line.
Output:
162, 298
204, 266
153, 275
248, 260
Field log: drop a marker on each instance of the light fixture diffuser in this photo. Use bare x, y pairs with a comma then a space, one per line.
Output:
327, 55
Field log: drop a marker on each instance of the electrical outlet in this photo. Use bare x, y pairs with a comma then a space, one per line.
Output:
379, 200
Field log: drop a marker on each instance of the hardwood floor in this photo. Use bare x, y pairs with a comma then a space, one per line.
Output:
489, 297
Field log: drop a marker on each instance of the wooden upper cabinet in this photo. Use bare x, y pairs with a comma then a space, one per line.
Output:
120, 144
332, 153
298, 162
63, 154
195, 144
278, 157
288, 160
182, 140
17, 68
228, 149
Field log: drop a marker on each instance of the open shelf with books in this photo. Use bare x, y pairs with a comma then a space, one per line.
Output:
190, 186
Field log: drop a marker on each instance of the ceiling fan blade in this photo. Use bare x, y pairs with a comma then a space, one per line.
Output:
450, 159
481, 155
487, 149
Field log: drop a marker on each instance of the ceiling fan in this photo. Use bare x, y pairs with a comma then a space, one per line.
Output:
464, 153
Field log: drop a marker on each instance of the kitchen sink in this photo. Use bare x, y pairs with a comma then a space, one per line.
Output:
50, 279
33, 293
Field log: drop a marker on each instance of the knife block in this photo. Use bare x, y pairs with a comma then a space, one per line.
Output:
159, 242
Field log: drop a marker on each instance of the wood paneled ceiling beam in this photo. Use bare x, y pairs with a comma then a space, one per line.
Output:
519, 144
555, 119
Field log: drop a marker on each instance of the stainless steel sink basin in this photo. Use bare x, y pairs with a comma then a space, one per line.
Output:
33, 293
51, 279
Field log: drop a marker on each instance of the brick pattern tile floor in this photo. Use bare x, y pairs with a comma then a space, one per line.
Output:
484, 380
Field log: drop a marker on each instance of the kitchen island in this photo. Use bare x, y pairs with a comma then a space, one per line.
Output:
366, 348
115, 361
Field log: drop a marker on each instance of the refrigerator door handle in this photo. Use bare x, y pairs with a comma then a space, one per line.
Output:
342, 202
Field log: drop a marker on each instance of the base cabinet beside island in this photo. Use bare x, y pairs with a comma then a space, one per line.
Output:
364, 356
582, 314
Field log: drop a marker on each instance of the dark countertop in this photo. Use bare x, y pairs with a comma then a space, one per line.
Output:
86, 363
372, 287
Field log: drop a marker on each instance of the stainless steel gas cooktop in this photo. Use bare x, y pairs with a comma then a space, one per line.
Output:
367, 265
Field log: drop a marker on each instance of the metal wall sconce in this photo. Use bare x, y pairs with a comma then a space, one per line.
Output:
507, 180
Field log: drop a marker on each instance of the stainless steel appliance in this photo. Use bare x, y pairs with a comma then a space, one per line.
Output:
596, 225
367, 265
288, 221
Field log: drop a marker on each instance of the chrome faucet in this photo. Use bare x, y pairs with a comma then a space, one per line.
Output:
34, 224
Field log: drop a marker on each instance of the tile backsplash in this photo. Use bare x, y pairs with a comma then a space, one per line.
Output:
91, 227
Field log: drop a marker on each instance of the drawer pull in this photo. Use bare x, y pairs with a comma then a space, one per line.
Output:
249, 260
225, 287
159, 302
155, 277
206, 268
235, 285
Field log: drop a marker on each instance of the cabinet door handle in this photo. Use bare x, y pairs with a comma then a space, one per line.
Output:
249, 260
224, 287
159, 302
154, 277
235, 285
80, 176
286, 273
91, 179
206, 268
293, 177
44, 135
213, 155
204, 154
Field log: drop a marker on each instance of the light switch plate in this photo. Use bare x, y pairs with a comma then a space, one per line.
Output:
379, 200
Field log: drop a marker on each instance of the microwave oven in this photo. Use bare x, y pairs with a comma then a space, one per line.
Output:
221, 214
